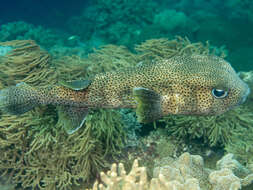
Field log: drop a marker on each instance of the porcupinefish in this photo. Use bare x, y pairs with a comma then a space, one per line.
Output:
187, 85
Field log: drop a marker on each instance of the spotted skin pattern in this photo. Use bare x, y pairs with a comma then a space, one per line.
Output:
184, 83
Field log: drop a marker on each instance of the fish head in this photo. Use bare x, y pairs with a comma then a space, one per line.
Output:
213, 84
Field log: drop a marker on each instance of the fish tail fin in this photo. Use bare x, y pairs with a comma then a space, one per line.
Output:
18, 99
23, 98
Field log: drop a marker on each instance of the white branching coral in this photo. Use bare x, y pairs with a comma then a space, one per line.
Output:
117, 179
184, 173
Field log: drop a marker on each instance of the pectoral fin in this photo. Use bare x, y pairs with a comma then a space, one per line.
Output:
149, 104
76, 84
72, 118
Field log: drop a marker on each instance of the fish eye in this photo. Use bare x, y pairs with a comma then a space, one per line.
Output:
218, 93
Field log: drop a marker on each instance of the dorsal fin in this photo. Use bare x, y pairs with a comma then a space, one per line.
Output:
76, 84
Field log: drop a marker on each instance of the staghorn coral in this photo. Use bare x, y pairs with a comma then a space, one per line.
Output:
184, 173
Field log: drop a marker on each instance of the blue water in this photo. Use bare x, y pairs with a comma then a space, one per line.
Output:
224, 23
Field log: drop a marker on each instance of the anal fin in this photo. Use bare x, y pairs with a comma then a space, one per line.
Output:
149, 104
72, 118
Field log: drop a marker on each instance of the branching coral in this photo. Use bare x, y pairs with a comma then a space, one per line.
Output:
186, 172
117, 179
242, 146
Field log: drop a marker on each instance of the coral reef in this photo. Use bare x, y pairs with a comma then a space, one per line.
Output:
156, 49
113, 21
242, 143
122, 22
36, 151
129, 22
171, 21
184, 173
25, 57
24, 31
224, 179
106, 58
214, 130
248, 78
241, 139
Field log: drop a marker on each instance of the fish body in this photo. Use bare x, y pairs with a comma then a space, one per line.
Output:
188, 85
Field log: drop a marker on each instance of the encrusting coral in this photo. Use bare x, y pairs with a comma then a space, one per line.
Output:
184, 173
